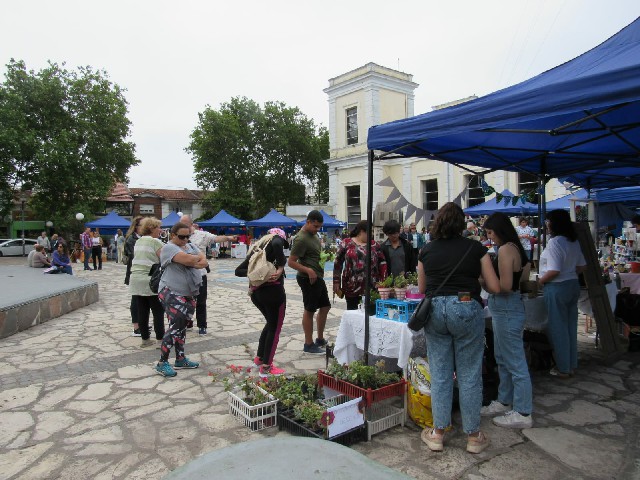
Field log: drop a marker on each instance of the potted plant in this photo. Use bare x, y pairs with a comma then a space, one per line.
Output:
413, 293
385, 287
400, 287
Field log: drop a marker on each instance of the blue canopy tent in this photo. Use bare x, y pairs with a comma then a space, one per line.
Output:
110, 223
493, 205
630, 196
564, 203
578, 122
329, 221
222, 219
273, 219
170, 220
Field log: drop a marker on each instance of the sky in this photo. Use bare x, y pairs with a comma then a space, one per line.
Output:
175, 58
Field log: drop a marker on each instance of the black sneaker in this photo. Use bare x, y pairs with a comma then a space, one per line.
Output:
321, 342
313, 349
136, 333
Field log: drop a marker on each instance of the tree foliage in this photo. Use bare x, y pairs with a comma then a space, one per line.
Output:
63, 134
264, 155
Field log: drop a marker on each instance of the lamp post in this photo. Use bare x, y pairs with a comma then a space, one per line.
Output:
23, 199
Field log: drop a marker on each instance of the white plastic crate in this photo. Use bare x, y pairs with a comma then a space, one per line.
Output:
381, 417
256, 417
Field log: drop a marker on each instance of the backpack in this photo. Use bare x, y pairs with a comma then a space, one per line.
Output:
260, 269
156, 274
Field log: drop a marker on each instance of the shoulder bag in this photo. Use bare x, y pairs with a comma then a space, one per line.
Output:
420, 316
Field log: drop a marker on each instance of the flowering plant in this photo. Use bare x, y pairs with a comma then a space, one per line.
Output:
237, 377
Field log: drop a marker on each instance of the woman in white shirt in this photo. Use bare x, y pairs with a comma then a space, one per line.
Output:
560, 264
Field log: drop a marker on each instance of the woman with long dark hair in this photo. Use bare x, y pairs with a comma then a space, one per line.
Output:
348, 267
560, 264
514, 403
179, 287
455, 331
270, 298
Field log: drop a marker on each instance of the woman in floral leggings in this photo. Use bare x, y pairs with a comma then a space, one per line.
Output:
179, 287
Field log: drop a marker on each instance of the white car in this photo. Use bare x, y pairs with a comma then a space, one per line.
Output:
14, 247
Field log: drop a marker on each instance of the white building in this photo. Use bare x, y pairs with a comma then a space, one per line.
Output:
373, 95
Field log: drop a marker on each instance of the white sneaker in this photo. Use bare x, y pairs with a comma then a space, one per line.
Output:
513, 419
494, 408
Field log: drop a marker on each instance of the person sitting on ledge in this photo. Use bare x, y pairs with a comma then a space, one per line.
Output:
61, 259
39, 258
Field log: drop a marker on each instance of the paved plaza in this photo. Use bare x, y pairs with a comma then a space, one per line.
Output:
79, 400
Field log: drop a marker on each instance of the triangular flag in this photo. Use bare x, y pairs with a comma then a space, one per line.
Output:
419, 214
507, 200
402, 202
514, 201
395, 193
498, 197
386, 182
410, 211
458, 200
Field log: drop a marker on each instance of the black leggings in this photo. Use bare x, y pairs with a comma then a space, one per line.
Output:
201, 304
97, 252
352, 302
143, 304
271, 300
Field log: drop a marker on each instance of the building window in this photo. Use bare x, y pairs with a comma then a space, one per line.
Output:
430, 194
353, 206
475, 195
352, 125
146, 209
527, 182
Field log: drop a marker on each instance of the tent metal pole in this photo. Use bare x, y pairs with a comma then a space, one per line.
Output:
367, 262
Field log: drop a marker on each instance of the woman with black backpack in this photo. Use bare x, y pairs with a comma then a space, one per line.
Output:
269, 298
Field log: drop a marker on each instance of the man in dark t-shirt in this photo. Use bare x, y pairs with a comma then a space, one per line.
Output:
305, 259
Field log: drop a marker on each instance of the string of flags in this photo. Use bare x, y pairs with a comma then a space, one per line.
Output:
420, 213
427, 215
525, 195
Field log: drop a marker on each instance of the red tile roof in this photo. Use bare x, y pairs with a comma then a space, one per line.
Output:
167, 194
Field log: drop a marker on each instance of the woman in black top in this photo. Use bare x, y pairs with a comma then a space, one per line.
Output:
455, 331
513, 407
271, 300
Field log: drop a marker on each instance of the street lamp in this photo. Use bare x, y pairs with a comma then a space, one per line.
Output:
23, 200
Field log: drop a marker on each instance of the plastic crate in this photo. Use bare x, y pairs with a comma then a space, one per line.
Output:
256, 417
369, 395
398, 311
287, 423
381, 417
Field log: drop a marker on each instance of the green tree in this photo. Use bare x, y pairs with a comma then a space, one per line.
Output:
63, 134
256, 158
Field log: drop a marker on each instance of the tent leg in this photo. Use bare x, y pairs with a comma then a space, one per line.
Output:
367, 264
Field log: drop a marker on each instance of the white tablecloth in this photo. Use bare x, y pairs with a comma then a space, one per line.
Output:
584, 304
386, 338
631, 280
238, 250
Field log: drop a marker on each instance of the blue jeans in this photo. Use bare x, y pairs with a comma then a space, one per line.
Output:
507, 311
87, 257
561, 299
455, 342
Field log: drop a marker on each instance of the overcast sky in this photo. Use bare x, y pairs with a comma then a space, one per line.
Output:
175, 57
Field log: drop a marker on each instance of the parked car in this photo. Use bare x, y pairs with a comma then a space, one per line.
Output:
13, 247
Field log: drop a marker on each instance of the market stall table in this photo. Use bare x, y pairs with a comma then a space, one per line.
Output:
386, 338
238, 250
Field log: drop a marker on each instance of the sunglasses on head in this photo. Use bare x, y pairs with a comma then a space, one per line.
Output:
184, 237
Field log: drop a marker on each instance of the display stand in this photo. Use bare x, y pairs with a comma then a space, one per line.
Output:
605, 320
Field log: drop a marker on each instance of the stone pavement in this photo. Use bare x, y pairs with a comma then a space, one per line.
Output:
79, 399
